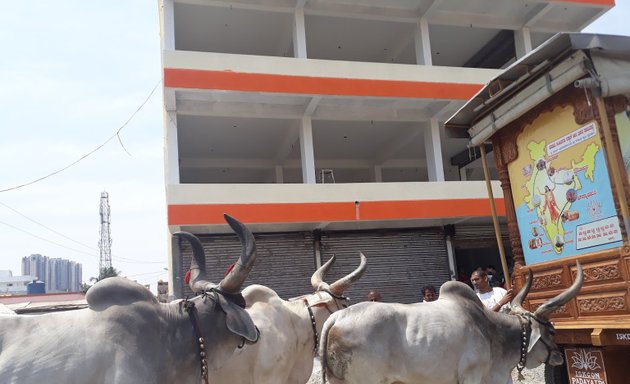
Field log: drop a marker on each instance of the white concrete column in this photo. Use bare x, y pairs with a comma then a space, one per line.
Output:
451, 257
378, 173
171, 152
463, 176
522, 42
433, 150
299, 34
307, 151
422, 43
279, 174
167, 21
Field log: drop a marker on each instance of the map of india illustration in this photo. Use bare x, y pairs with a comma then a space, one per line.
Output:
561, 190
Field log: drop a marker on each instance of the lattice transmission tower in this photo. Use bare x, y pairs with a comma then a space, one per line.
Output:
105, 242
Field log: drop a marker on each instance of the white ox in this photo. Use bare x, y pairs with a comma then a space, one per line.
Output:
126, 336
453, 340
288, 334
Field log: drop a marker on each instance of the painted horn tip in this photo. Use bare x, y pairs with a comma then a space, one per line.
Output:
230, 220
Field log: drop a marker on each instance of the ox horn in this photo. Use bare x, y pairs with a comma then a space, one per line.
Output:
234, 280
198, 280
545, 310
517, 302
344, 283
317, 280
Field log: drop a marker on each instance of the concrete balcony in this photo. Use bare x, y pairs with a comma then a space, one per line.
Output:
300, 207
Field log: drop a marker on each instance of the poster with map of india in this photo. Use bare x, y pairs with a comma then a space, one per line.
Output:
622, 121
561, 189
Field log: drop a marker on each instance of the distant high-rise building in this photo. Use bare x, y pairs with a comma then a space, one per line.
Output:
59, 275
35, 265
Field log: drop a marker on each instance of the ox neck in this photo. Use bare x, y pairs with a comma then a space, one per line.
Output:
311, 318
178, 328
511, 338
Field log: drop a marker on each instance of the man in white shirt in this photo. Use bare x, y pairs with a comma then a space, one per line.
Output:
496, 299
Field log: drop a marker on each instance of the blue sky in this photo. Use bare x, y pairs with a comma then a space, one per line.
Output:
72, 72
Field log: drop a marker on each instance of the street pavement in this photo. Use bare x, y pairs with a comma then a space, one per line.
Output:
534, 376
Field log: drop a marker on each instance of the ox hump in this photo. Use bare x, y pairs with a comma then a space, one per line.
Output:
455, 290
117, 291
256, 294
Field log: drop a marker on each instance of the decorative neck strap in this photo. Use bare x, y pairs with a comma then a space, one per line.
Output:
189, 306
524, 341
313, 325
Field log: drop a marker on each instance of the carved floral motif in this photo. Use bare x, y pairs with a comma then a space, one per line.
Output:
546, 281
602, 304
561, 311
601, 273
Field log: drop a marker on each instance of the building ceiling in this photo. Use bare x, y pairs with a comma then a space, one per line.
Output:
231, 136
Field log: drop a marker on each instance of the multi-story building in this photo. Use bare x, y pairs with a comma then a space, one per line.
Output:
35, 265
59, 275
13, 285
63, 276
319, 123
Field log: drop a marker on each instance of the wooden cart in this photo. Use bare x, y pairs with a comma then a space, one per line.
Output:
559, 123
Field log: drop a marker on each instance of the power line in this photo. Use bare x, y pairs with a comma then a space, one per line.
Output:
148, 273
46, 240
92, 151
48, 228
121, 259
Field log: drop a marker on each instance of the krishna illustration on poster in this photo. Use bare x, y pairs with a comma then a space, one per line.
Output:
561, 189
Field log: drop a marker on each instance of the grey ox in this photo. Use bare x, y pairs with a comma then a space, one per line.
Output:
288, 331
126, 336
453, 340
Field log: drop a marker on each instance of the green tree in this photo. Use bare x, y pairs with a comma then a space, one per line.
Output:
104, 273
85, 286
108, 272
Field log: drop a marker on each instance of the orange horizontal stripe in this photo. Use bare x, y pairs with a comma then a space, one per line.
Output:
429, 209
260, 213
258, 82
208, 214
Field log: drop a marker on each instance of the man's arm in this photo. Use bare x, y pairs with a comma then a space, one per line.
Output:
509, 295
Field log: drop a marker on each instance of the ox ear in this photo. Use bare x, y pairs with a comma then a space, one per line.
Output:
533, 338
238, 320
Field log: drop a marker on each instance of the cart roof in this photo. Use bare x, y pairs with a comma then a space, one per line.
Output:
604, 57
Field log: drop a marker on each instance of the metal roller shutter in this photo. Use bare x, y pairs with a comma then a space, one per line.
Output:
400, 262
285, 261
471, 236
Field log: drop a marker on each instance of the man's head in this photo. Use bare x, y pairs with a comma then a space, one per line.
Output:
374, 295
479, 280
491, 270
429, 293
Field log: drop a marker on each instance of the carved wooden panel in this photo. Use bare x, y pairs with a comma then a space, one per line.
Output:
548, 280
573, 336
563, 311
600, 272
607, 303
